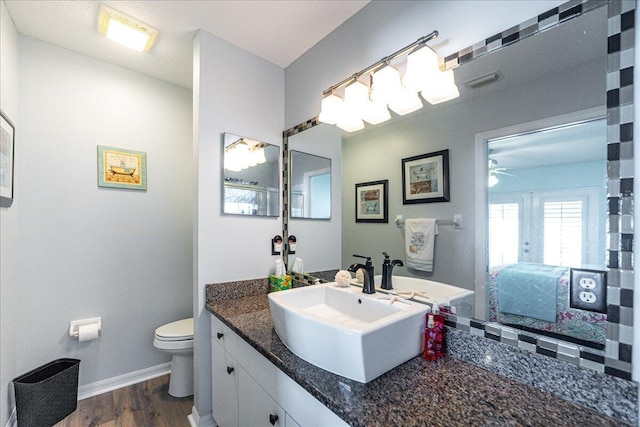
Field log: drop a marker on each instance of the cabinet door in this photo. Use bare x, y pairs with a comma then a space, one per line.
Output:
291, 422
224, 387
256, 407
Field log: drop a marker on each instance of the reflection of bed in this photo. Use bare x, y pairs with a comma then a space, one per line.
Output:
580, 324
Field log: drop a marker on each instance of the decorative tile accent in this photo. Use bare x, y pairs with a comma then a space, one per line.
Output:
620, 158
301, 127
526, 29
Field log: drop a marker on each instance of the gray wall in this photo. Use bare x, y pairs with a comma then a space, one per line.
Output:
8, 220
242, 95
77, 250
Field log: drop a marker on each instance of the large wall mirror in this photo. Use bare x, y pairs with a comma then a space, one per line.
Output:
251, 177
547, 132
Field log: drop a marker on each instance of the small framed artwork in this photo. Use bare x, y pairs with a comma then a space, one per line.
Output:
121, 168
372, 201
425, 178
7, 145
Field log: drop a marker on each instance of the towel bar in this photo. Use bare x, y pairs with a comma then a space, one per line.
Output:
456, 221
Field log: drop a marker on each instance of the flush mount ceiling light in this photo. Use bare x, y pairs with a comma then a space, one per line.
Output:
125, 30
388, 90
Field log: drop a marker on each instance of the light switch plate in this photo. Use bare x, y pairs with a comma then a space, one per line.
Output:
588, 290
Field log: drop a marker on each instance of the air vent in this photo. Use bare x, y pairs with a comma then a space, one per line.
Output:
485, 80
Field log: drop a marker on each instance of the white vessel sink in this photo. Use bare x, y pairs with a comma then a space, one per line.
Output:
431, 291
346, 332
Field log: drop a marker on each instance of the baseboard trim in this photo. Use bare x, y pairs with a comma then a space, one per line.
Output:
196, 421
110, 384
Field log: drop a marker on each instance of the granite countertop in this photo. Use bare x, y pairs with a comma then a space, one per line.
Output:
448, 392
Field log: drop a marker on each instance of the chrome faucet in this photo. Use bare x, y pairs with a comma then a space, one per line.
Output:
369, 286
387, 268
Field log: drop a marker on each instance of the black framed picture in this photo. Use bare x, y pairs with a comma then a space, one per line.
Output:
425, 178
372, 201
7, 146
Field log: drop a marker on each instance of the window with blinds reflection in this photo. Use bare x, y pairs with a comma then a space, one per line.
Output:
563, 229
504, 233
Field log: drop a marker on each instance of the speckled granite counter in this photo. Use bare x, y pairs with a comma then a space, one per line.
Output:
448, 392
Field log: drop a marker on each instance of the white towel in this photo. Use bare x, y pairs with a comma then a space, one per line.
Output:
419, 238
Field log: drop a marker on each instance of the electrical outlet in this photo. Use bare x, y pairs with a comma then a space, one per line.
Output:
588, 290
588, 297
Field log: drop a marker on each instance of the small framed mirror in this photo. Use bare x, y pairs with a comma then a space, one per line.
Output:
310, 189
251, 178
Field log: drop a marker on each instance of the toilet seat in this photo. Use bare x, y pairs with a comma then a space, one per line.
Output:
181, 330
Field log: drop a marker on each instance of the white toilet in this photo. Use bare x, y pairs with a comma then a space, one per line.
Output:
176, 338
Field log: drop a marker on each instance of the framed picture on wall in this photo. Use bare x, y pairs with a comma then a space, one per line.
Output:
121, 168
372, 201
425, 178
7, 145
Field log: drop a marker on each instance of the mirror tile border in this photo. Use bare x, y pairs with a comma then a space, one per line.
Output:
285, 179
615, 360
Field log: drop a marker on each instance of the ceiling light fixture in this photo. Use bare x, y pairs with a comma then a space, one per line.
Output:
388, 90
125, 30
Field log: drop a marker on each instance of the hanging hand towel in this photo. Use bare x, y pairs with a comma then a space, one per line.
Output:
419, 238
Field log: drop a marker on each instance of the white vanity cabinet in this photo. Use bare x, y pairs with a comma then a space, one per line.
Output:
249, 390
257, 408
224, 374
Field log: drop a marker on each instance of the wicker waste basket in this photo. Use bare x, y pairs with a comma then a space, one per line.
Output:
47, 394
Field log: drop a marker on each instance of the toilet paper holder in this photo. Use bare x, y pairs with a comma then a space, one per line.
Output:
74, 325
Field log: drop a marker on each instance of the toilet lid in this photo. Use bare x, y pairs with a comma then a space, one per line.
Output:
175, 331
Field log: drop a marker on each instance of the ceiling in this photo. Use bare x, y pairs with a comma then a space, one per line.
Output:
278, 31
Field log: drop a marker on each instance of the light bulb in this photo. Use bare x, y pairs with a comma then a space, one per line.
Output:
126, 35
376, 113
356, 99
442, 88
350, 123
386, 84
405, 102
422, 65
331, 109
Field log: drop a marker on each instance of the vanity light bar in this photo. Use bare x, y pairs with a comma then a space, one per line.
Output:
387, 90
384, 61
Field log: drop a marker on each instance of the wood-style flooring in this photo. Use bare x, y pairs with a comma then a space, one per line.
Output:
146, 404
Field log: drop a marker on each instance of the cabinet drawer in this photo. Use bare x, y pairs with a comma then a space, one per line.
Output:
222, 334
